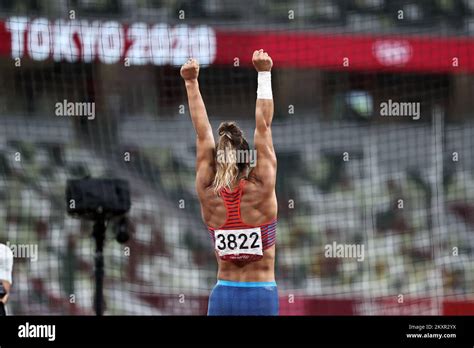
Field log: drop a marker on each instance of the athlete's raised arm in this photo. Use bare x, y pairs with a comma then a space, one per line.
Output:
205, 145
265, 169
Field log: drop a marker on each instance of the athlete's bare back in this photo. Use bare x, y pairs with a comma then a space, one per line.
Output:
258, 206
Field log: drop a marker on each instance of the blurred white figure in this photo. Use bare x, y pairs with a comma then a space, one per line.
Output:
6, 269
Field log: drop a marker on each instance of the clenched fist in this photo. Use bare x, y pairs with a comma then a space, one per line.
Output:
190, 70
262, 61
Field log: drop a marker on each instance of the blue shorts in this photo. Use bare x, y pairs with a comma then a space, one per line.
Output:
243, 298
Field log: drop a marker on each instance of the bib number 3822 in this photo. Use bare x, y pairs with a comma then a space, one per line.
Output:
235, 242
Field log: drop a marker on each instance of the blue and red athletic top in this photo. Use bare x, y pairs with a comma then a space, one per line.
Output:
236, 240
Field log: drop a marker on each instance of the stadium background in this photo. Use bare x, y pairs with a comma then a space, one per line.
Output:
343, 167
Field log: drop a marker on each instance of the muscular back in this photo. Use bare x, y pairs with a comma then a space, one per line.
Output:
258, 204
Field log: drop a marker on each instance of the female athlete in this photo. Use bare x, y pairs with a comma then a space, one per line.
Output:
238, 200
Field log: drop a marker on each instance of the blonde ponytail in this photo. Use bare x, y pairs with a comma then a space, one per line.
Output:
228, 169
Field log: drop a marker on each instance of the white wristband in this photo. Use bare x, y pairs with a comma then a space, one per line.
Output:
264, 89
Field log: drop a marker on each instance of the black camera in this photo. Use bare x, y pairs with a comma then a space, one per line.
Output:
97, 198
100, 200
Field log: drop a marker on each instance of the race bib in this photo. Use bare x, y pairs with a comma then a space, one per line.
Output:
236, 242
